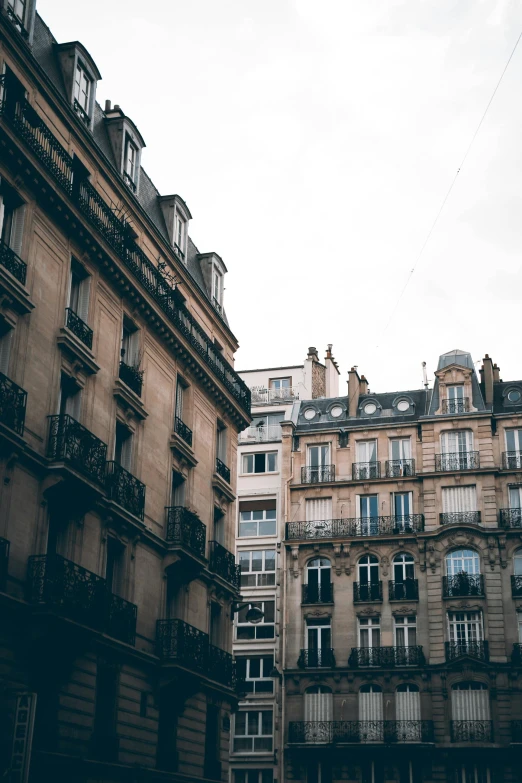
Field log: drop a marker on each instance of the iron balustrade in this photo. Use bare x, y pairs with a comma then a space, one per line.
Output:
221, 666
216, 305
261, 434
317, 594
181, 643
511, 517
10, 261
317, 659
365, 592
362, 471
399, 468
471, 730
473, 648
18, 23
348, 731
82, 596
263, 396
222, 470
4, 561
516, 731
129, 181
462, 460
78, 327
455, 405
179, 251
132, 377
407, 590
460, 518
82, 114
516, 655
516, 585
71, 442
223, 563
386, 657
182, 430
125, 489
13, 402
16, 110
512, 460
462, 584
317, 475
185, 528
354, 527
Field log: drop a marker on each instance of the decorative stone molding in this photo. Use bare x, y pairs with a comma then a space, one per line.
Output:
295, 556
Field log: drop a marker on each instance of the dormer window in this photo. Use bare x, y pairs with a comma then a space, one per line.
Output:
180, 234
80, 76
130, 164
82, 92
217, 289
16, 11
177, 216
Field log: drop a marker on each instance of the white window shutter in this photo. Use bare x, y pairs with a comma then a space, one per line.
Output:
370, 706
134, 350
83, 299
126, 453
17, 230
458, 499
5, 351
407, 705
72, 405
179, 400
318, 509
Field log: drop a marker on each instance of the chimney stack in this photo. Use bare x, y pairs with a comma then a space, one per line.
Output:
487, 376
354, 389
363, 385
332, 373
496, 373
107, 106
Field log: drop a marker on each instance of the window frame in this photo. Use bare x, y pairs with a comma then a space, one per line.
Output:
77, 86
253, 736
256, 627
253, 455
263, 571
266, 663
257, 521
408, 629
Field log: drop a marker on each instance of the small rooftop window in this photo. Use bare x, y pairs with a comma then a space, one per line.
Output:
514, 395
309, 414
336, 411
403, 406
370, 408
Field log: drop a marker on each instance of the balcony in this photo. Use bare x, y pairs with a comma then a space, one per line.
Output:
223, 564
473, 649
408, 590
185, 529
76, 593
78, 327
348, 731
13, 400
364, 592
462, 584
516, 586
317, 594
463, 460
471, 730
318, 475
10, 261
73, 444
4, 562
400, 468
222, 470
460, 518
455, 406
516, 655
131, 377
386, 657
183, 431
516, 731
181, 643
221, 666
262, 396
125, 489
317, 659
363, 471
512, 460
511, 517
354, 527
261, 434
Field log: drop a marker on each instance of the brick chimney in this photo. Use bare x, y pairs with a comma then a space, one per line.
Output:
331, 373
354, 390
314, 375
363, 385
487, 378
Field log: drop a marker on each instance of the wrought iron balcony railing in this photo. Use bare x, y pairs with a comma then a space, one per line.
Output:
132, 377
182, 430
512, 460
456, 405
462, 584
386, 657
471, 730
511, 517
475, 649
4, 562
389, 731
222, 470
74, 444
397, 468
78, 594
125, 489
181, 643
262, 396
407, 590
516, 585
221, 666
129, 181
516, 655
318, 474
186, 529
17, 21
10, 261
261, 434
354, 527
462, 460
516, 731
364, 592
216, 305
82, 114
13, 400
460, 518
223, 563
317, 659
78, 327
362, 471
317, 594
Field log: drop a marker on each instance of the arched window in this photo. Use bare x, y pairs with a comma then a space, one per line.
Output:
318, 713
460, 560
371, 713
318, 588
368, 586
470, 712
463, 573
404, 585
407, 708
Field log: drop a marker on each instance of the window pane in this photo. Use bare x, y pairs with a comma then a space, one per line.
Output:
270, 513
264, 632
240, 723
260, 462
272, 462
244, 560
257, 515
248, 463
269, 612
269, 560
267, 528
253, 723
266, 722
268, 665
241, 667
257, 561
255, 667
247, 529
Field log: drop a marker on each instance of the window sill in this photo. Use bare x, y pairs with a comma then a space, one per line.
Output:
266, 473
76, 351
223, 487
17, 294
186, 452
129, 400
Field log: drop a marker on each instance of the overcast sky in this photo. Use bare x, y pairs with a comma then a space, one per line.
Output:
314, 142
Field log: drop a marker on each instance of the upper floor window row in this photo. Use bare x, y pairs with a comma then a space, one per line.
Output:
260, 462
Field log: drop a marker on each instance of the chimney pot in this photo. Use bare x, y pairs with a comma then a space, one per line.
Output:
117, 107
107, 105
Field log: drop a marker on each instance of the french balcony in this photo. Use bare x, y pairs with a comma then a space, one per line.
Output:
386, 657
78, 327
221, 666
317, 594
262, 396
222, 470
516, 731
10, 261
354, 527
318, 475
263, 434
4, 562
455, 406
125, 489
516, 586
223, 564
80, 595
82, 114
363, 471
180, 643
400, 468
511, 517
460, 518
13, 401
360, 731
516, 655
366, 592
473, 649
462, 460
185, 529
131, 377
463, 584
407, 590
512, 460
73, 444
317, 659
471, 730
183, 431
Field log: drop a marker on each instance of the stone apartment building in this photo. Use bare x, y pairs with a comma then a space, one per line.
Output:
119, 414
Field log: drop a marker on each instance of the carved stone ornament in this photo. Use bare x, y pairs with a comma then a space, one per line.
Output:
295, 556
492, 555
367, 612
403, 610
385, 562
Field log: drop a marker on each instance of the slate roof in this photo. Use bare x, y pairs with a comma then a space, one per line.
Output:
463, 359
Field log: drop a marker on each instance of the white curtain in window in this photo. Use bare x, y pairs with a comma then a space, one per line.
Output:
83, 299
318, 706
457, 499
470, 704
370, 706
407, 705
318, 509
17, 229
5, 351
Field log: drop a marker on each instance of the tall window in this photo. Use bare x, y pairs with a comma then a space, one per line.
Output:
114, 565
318, 705
470, 712
403, 510
455, 399
79, 290
217, 286
179, 228
6, 338
123, 447
456, 448
221, 442
400, 456
513, 458
257, 518
211, 765
318, 456
366, 450
257, 568
459, 500
253, 731
106, 705
371, 713
406, 631
12, 215
404, 584
70, 398
368, 578
366, 466
82, 87
318, 641
367, 507
515, 497
462, 560
465, 631
16, 10
130, 162
517, 563
260, 462
262, 630
369, 632
407, 706
472, 773
319, 580
256, 671
130, 343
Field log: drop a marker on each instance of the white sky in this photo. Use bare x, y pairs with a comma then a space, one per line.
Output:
314, 142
